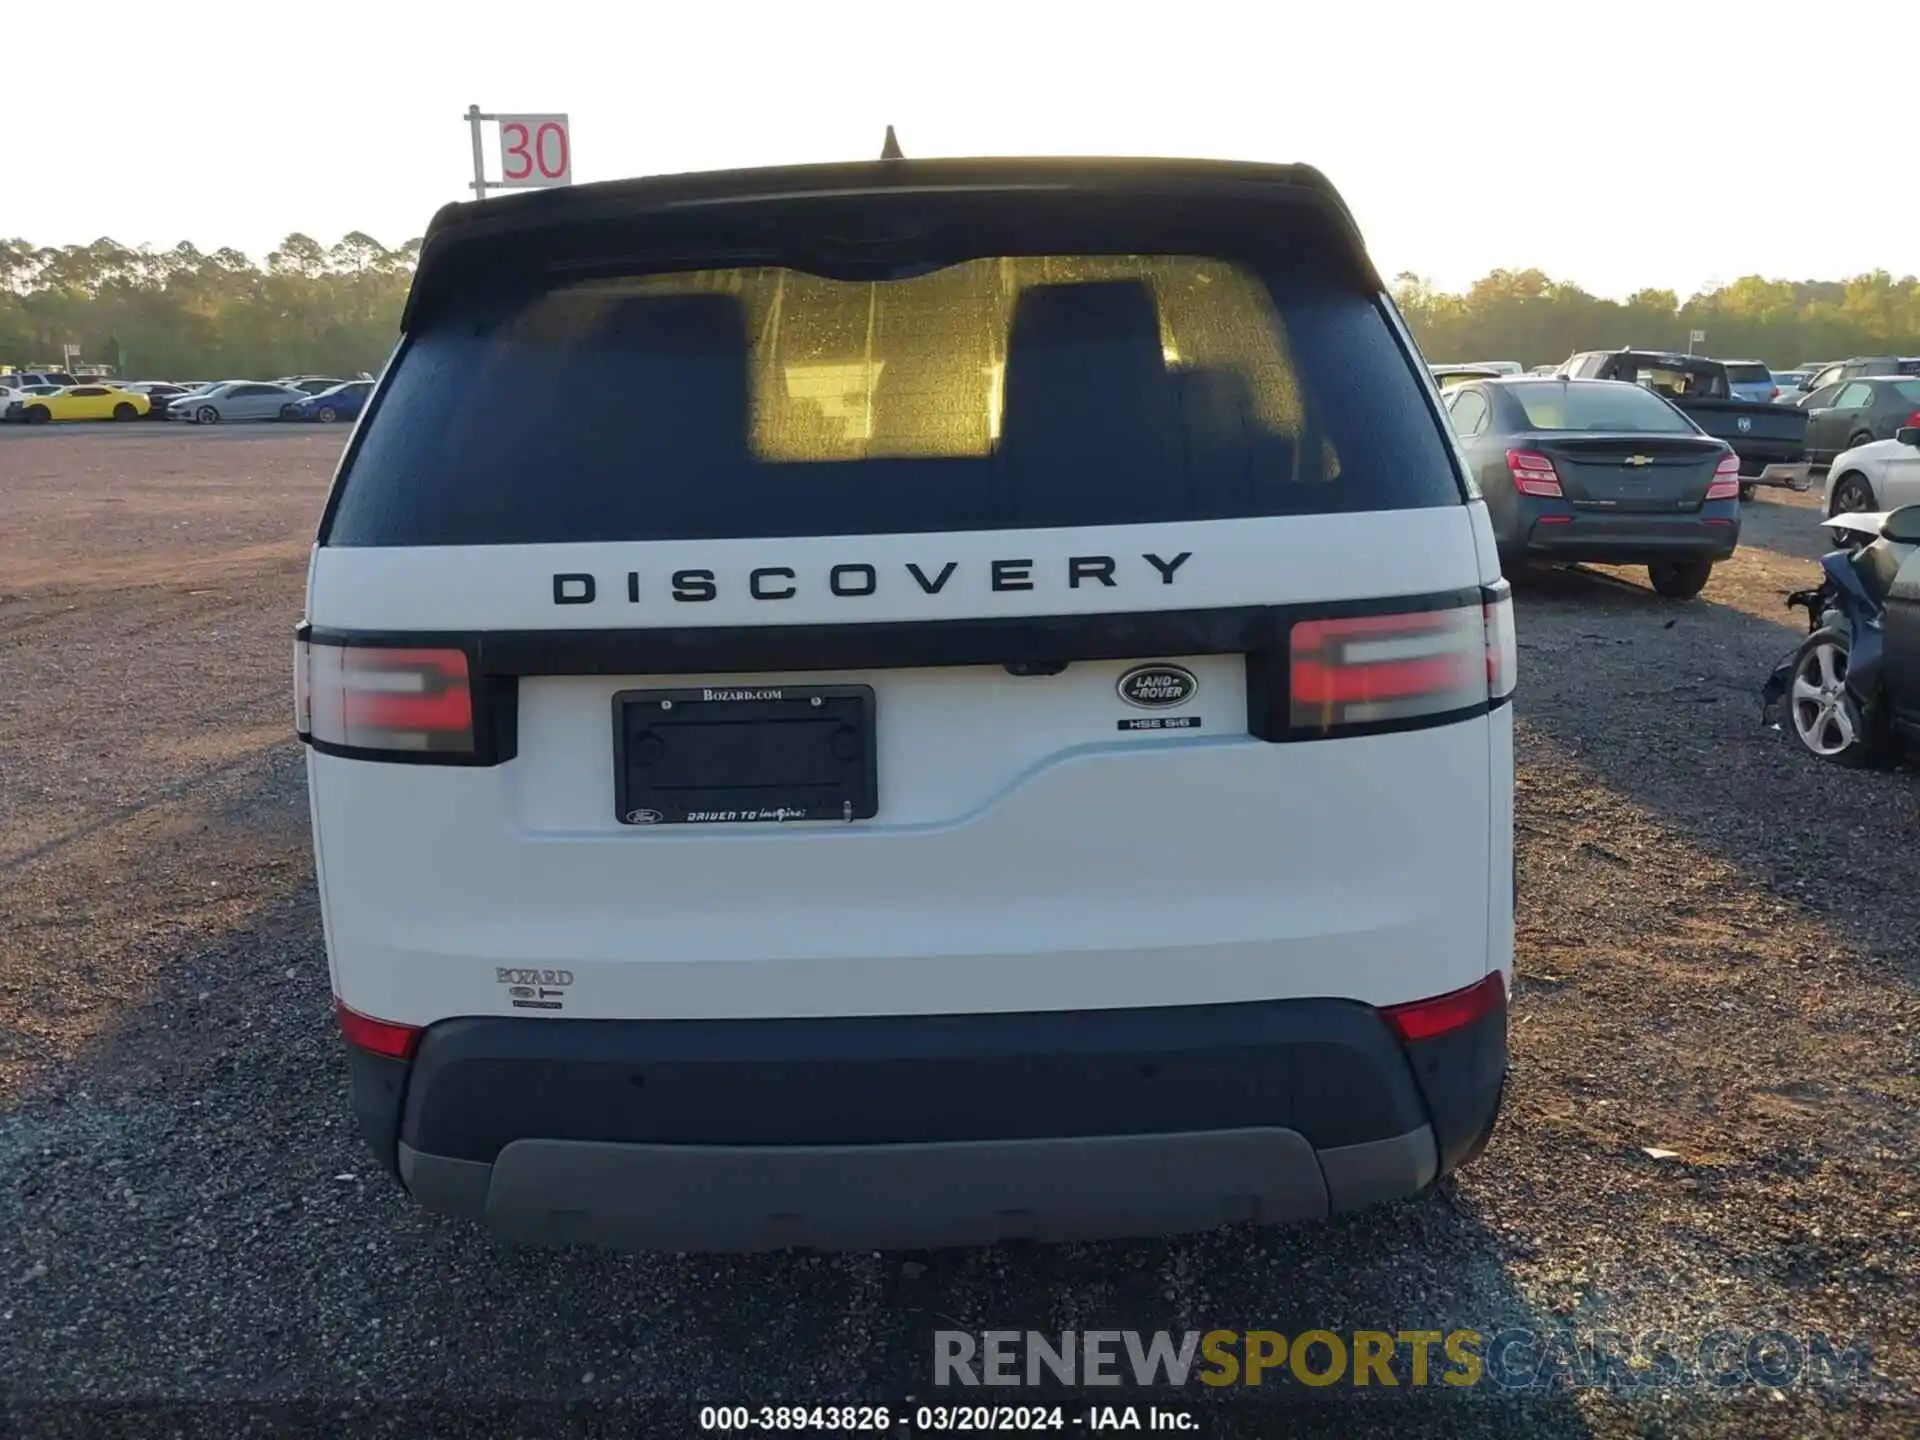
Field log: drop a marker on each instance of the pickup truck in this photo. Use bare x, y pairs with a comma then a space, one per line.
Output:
1771, 440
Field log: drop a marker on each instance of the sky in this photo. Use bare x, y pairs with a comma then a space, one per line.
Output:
1615, 146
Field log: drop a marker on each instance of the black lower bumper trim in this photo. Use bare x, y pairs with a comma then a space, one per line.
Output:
1331, 1071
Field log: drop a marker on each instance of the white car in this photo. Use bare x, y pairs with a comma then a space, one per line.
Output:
936, 740
1880, 475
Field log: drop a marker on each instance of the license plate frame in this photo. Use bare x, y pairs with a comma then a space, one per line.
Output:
745, 754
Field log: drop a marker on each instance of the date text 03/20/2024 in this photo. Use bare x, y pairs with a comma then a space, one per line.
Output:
941, 1419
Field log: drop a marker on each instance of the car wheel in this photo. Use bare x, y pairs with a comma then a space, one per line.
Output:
1679, 579
1827, 718
1850, 495
327, 415
1746, 489
207, 415
124, 411
38, 415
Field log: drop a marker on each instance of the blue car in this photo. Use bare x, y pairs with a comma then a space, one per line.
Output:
342, 402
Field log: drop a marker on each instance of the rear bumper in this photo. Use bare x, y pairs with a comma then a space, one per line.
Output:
1610, 537
918, 1131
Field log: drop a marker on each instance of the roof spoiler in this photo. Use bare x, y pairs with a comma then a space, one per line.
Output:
473, 246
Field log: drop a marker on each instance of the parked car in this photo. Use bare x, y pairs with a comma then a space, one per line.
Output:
1751, 380
1599, 470
1069, 766
1851, 689
1500, 367
161, 396
84, 402
342, 402
1770, 441
22, 379
235, 400
1848, 415
1859, 366
1880, 475
1787, 384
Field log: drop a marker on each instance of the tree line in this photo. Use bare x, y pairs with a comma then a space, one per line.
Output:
332, 310
185, 313
1527, 316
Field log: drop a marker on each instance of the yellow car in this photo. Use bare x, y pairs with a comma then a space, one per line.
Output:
85, 402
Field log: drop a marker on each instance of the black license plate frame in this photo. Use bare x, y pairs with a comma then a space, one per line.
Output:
744, 737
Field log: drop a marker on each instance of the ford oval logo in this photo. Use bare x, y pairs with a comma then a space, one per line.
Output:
644, 817
1745, 422
1157, 687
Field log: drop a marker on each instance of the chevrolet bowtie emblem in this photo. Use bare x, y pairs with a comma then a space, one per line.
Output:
1638, 460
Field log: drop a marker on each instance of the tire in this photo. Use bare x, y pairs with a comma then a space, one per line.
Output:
1827, 720
327, 415
1746, 489
1850, 494
207, 415
124, 411
1679, 579
1862, 438
38, 415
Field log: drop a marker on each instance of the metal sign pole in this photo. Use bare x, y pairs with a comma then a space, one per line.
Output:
474, 117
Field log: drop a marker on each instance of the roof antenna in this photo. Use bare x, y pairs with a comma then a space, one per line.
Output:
891, 149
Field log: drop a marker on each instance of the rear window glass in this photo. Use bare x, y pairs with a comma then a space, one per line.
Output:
996, 393
1749, 374
1605, 406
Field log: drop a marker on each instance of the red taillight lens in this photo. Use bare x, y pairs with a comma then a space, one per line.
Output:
1533, 473
1913, 419
1374, 668
1424, 1019
373, 698
378, 1037
1726, 479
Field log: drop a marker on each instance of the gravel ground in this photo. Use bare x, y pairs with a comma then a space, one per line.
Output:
1717, 956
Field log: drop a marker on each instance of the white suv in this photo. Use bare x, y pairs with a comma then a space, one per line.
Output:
910, 703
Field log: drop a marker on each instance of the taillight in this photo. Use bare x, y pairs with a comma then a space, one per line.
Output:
378, 1037
369, 699
1374, 669
1457, 1009
1503, 645
1533, 473
1913, 419
1726, 479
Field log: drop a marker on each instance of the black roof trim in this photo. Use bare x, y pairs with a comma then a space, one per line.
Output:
624, 202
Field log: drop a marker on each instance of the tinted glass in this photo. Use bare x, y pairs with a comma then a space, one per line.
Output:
1749, 375
1550, 405
998, 393
1906, 389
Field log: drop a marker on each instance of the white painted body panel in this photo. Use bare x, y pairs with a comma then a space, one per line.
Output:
1026, 855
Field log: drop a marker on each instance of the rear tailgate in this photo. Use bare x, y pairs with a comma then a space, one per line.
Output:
1760, 434
1110, 523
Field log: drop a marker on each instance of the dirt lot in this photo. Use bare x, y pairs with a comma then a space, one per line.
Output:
1718, 956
